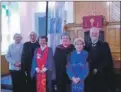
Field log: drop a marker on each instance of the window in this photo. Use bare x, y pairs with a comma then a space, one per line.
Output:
114, 11
10, 23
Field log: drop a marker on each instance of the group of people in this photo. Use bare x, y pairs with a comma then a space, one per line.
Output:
77, 67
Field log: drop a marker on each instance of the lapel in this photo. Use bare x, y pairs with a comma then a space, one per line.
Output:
96, 47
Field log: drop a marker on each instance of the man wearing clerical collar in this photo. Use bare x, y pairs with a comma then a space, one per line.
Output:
100, 77
94, 35
27, 55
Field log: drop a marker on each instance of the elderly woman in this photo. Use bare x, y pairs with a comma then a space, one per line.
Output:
77, 68
13, 57
60, 58
42, 66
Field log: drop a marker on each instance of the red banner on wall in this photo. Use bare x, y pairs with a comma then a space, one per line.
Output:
93, 21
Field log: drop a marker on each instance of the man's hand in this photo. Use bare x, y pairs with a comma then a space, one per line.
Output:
25, 73
95, 71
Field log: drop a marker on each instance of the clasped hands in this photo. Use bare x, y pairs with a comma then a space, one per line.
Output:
76, 80
43, 70
17, 64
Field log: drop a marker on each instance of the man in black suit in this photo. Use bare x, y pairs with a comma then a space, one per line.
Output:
100, 78
27, 56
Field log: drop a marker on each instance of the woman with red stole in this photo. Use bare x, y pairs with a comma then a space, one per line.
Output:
42, 66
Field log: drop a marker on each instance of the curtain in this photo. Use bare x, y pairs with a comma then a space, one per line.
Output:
55, 23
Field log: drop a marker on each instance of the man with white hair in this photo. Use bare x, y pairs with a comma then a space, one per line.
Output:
100, 78
27, 56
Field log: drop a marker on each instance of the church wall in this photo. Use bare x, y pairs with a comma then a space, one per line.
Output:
85, 8
27, 19
112, 31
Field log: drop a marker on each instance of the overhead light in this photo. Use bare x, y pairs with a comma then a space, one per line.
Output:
108, 3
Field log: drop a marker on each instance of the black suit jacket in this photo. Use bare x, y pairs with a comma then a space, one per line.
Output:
27, 55
100, 58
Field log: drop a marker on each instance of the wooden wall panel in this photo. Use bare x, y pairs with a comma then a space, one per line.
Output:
85, 8
75, 33
4, 65
112, 31
113, 38
111, 10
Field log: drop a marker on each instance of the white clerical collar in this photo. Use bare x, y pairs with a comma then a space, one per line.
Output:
43, 47
65, 46
78, 52
95, 41
33, 42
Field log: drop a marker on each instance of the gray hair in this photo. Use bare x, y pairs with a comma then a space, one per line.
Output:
16, 35
32, 32
65, 34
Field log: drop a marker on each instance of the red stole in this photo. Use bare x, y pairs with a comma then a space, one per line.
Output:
41, 77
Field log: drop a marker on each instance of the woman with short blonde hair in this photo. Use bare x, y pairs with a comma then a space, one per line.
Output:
77, 68
79, 39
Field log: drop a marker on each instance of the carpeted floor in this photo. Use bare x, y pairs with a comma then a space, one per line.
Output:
6, 83
6, 80
4, 90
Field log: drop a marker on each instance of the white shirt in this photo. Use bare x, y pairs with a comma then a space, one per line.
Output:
94, 41
43, 47
78, 52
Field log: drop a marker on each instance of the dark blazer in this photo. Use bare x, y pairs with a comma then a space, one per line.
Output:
99, 58
27, 55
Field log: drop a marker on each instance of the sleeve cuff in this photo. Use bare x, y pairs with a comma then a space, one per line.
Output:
36, 68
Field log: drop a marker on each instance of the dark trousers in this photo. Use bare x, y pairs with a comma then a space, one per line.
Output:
95, 83
54, 86
110, 82
30, 83
18, 81
63, 86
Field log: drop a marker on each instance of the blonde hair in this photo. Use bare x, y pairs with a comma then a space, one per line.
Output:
79, 39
